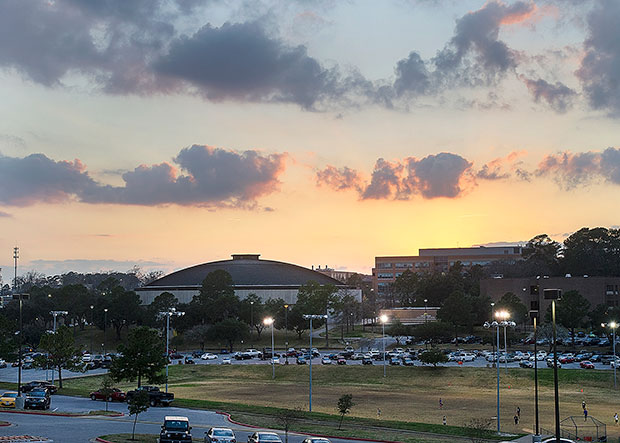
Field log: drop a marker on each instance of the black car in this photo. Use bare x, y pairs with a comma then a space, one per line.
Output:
32, 385
367, 361
38, 399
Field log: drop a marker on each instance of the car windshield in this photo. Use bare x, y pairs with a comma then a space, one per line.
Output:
10, 394
37, 394
268, 437
223, 433
176, 425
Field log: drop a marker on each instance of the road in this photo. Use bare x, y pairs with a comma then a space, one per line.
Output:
83, 429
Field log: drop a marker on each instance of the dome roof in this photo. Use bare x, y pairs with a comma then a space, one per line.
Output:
246, 270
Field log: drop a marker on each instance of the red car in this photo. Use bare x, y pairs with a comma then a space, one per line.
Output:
115, 395
586, 364
565, 360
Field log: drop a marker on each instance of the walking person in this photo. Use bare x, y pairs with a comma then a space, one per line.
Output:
616, 418
445, 420
516, 420
583, 404
378, 413
440, 403
519, 412
585, 415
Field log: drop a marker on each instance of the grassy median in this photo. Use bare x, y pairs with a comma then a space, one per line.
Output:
406, 398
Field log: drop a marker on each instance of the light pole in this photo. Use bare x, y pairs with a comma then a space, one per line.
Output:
21, 298
502, 316
56, 314
613, 325
383, 319
536, 438
105, 322
311, 317
425, 308
269, 321
168, 314
286, 324
92, 321
553, 295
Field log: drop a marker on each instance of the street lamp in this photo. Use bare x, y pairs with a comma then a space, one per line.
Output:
252, 315
105, 322
383, 319
92, 321
504, 316
21, 298
425, 308
312, 317
501, 316
553, 295
168, 314
537, 436
613, 325
286, 323
269, 321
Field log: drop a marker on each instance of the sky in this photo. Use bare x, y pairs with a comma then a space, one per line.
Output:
166, 133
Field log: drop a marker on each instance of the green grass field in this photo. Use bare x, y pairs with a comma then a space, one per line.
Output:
409, 397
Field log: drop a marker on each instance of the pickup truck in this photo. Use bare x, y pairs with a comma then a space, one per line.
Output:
156, 397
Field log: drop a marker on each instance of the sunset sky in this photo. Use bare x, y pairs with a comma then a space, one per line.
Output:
168, 133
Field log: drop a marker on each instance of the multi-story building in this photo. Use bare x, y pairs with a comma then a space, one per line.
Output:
597, 290
387, 269
341, 276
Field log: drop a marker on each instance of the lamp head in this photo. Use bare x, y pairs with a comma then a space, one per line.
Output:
268, 321
613, 325
383, 318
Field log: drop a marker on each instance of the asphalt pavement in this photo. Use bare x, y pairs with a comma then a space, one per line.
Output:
84, 429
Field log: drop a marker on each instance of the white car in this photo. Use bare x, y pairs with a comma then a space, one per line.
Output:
208, 356
264, 437
226, 361
220, 435
467, 356
275, 360
86, 358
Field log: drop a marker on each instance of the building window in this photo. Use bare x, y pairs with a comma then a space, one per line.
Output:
404, 265
385, 275
534, 305
422, 264
398, 274
534, 290
382, 288
384, 265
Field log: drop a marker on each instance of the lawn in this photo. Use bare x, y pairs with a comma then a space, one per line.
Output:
126, 438
406, 395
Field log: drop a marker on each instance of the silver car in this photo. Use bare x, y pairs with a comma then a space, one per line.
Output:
264, 437
220, 435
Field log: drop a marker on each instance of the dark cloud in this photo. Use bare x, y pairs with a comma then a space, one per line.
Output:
210, 177
242, 62
601, 64
475, 55
35, 178
503, 168
385, 181
570, 170
438, 175
412, 77
339, 179
558, 96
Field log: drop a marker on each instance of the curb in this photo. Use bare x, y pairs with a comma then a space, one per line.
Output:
305, 433
101, 440
5, 424
59, 414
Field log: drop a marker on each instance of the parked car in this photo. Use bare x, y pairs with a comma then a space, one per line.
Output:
189, 360
264, 437
357, 356
226, 361
175, 430
341, 361
38, 399
3, 364
225, 435
7, 400
526, 364
208, 356
586, 364
301, 360
408, 361
275, 360
395, 361
156, 397
27, 387
550, 363
367, 361
326, 361
114, 395
316, 440
176, 356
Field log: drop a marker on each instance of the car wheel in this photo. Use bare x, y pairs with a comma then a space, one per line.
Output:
153, 403
109, 398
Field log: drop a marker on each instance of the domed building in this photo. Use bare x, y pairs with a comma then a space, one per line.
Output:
266, 278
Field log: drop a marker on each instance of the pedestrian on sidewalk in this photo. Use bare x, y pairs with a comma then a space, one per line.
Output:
583, 404
616, 418
440, 403
378, 413
585, 415
519, 412
516, 420
445, 420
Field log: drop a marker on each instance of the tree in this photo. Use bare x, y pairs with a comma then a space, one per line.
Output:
124, 308
603, 314
106, 389
571, 311
252, 311
542, 251
457, 311
406, 287
397, 330
198, 333
162, 303
432, 332
60, 346
511, 303
143, 356
545, 332
317, 299
286, 417
8, 341
433, 357
345, 403
229, 330
593, 252
296, 321
136, 405
216, 299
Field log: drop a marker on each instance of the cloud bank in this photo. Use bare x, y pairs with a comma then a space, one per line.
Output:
204, 176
